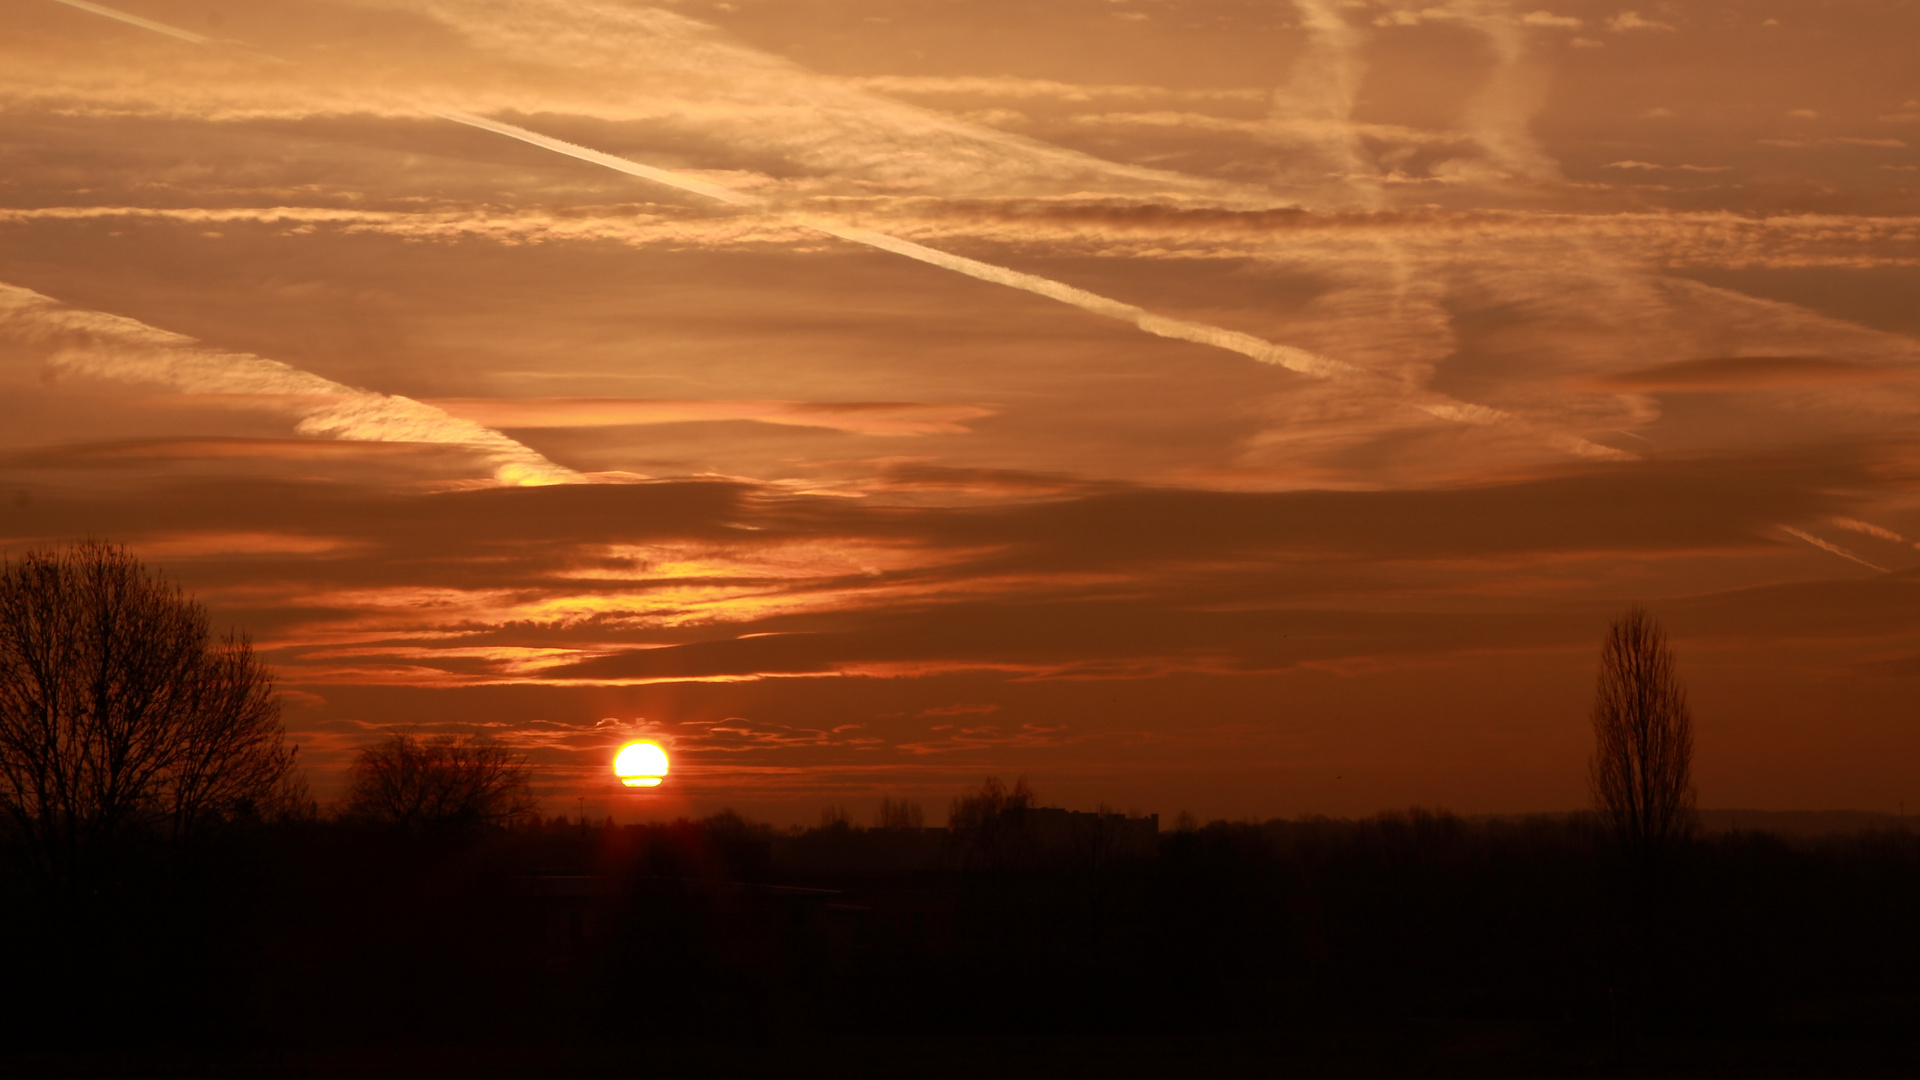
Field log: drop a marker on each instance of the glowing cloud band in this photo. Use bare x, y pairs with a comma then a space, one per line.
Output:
113, 346
1266, 352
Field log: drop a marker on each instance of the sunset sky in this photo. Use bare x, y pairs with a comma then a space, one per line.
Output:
1240, 406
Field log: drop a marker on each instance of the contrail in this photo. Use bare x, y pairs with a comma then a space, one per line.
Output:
113, 346
1833, 549
1256, 348
604, 160
145, 24
1870, 529
1285, 356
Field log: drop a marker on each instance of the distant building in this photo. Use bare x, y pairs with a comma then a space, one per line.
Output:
1093, 833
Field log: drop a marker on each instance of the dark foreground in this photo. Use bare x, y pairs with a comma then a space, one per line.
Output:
1430, 1049
1410, 945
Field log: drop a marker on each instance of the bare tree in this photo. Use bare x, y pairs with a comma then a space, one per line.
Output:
1642, 768
900, 814
120, 716
447, 781
992, 823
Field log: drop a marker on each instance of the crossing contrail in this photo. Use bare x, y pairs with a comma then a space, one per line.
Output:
1256, 348
1293, 359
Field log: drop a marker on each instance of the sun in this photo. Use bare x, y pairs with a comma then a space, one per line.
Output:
640, 764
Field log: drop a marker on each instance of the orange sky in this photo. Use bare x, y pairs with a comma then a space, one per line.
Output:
1251, 408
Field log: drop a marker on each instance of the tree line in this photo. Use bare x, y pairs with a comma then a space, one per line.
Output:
167, 868
123, 717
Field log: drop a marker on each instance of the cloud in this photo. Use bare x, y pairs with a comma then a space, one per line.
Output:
1335, 529
709, 580
614, 62
635, 227
1469, 12
958, 710
1295, 359
200, 545
1676, 168
1289, 124
1501, 113
1835, 140
1005, 86
824, 124
1868, 528
1889, 667
1368, 384
122, 451
1633, 20
993, 737
999, 485
1428, 239
736, 735
1298, 360
1744, 373
1316, 104
110, 346
1879, 607
893, 418
1415, 16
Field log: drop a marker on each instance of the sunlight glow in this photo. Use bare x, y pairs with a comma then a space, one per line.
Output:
640, 764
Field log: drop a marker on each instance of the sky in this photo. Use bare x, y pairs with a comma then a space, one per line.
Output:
1247, 408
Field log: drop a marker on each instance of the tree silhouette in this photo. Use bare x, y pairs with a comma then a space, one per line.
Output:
1642, 768
445, 782
120, 716
836, 820
992, 824
900, 814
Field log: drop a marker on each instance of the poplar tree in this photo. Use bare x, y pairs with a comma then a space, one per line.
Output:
1642, 768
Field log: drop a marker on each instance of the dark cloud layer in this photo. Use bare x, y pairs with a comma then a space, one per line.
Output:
1734, 373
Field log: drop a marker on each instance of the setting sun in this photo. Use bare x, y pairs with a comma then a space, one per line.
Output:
1465, 446
640, 764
